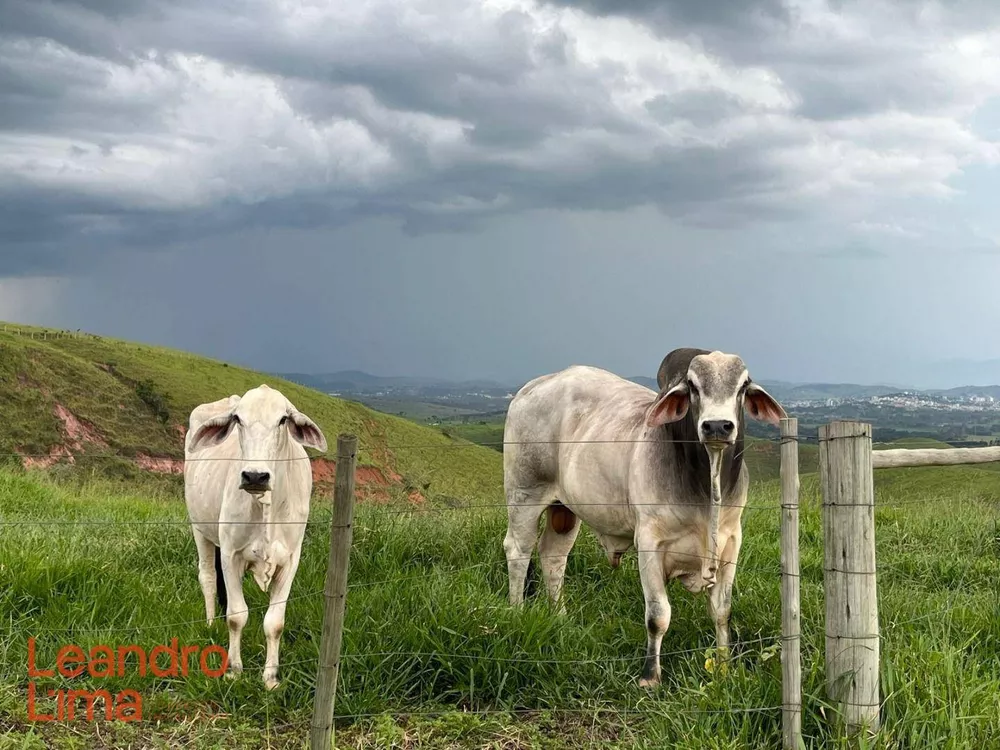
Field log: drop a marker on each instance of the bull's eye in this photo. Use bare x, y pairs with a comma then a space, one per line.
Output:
692, 388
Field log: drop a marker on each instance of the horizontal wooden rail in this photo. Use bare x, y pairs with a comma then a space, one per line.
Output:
900, 457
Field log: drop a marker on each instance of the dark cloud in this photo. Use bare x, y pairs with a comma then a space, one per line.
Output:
673, 15
149, 123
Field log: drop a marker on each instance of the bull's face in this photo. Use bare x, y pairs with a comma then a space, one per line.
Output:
264, 420
715, 389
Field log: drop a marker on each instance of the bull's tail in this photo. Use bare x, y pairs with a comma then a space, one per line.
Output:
530, 582
562, 521
220, 583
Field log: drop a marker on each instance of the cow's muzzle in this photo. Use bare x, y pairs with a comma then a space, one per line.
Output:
718, 431
255, 482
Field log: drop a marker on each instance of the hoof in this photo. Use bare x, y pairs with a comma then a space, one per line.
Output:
272, 683
649, 682
234, 672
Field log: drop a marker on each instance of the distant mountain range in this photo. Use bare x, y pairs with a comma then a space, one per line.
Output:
358, 382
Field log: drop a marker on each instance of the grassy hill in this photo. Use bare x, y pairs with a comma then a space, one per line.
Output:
117, 407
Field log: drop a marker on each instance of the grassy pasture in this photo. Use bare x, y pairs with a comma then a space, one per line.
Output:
433, 656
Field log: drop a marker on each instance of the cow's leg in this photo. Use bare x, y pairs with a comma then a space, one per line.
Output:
561, 530
233, 568
206, 573
274, 620
523, 510
720, 596
657, 605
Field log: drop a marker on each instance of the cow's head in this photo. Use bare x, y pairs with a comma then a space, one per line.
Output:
714, 388
264, 420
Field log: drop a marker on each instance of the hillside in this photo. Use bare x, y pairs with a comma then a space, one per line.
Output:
113, 405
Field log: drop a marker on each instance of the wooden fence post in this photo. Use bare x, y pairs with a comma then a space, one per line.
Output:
849, 580
791, 660
335, 595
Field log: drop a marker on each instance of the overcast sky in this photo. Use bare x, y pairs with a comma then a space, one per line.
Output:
504, 188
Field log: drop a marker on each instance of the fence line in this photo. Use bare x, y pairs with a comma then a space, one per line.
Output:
189, 623
847, 466
790, 638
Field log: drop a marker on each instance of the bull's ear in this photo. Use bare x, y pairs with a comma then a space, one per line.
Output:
213, 431
669, 406
305, 431
760, 405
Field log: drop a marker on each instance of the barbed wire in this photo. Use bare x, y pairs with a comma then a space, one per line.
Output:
385, 510
189, 623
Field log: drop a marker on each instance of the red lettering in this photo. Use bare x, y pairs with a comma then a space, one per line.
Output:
186, 651
123, 651
154, 666
32, 672
135, 706
204, 662
69, 654
108, 661
89, 699
32, 715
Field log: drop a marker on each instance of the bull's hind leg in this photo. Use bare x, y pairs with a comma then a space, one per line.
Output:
524, 507
206, 573
561, 529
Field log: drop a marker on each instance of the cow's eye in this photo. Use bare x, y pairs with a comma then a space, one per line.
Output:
282, 420
236, 419
692, 387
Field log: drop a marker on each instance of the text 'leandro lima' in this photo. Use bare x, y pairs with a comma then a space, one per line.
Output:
104, 661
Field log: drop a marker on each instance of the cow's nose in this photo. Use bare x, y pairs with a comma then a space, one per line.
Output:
256, 478
717, 429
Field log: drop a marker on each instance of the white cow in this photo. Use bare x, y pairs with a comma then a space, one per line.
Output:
663, 472
247, 491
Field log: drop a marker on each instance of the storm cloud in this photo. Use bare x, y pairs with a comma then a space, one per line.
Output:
775, 129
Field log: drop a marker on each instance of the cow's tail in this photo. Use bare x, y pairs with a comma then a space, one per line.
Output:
220, 582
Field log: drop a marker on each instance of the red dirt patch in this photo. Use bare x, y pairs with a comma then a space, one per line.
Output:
160, 465
323, 471
371, 482
77, 431
56, 454
78, 435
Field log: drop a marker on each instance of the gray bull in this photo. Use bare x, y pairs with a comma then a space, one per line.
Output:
663, 472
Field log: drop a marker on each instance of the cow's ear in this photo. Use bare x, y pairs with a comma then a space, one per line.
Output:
305, 431
670, 406
213, 431
762, 406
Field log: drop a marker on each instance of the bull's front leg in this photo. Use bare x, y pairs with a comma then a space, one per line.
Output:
720, 596
233, 568
657, 605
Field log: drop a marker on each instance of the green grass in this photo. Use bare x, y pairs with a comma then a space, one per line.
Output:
418, 411
429, 636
